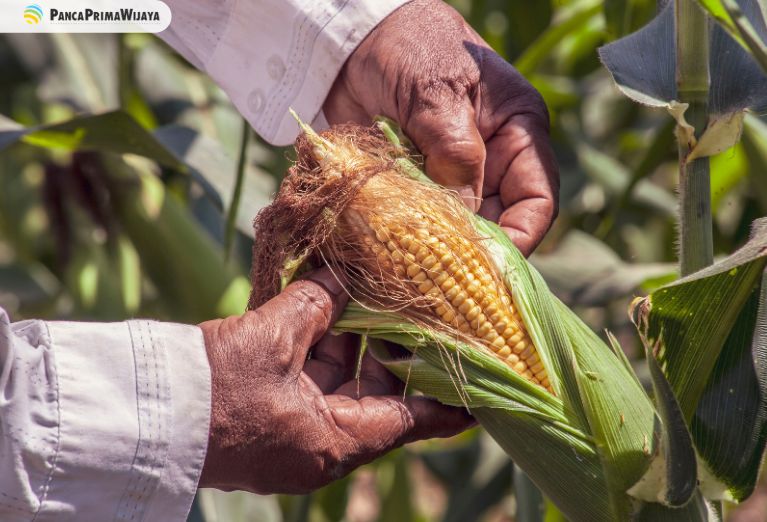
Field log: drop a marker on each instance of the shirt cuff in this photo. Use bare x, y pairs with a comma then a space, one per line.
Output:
134, 403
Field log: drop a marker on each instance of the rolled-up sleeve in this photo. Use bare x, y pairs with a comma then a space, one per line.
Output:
101, 421
270, 55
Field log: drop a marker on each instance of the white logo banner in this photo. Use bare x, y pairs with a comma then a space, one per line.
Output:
83, 16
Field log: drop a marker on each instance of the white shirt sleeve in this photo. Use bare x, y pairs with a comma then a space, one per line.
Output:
101, 421
270, 55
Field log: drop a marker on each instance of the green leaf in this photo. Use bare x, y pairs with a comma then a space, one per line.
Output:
615, 178
112, 131
29, 284
643, 67
755, 144
718, 11
217, 173
728, 170
691, 318
702, 329
740, 26
626, 16
642, 64
477, 476
530, 503
541, 49
333, 499
655, 154
395, 489
527, 20
734, 396
184, 264
676, 467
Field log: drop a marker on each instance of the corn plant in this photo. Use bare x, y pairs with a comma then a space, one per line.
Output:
706, 332
483, 329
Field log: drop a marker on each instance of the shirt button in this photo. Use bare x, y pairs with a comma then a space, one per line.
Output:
275, 67
255, 101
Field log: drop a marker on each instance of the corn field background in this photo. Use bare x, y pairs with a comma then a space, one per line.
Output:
140, 217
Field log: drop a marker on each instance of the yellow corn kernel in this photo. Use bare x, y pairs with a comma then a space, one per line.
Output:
463, 292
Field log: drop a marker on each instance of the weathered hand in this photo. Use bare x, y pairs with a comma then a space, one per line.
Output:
481, 126
283, 424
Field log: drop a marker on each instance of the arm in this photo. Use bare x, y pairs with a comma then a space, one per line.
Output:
97, 422
123, 420
269, 55
482, 128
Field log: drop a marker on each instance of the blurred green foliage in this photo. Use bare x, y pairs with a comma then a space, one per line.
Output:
124, 214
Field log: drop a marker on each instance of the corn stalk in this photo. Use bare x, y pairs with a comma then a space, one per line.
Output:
692, 82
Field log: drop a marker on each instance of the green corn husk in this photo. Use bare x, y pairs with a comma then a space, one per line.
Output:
599, 436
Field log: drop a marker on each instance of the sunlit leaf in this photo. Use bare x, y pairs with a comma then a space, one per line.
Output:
744, 22
542, 47
755, 145
728, 169
216, 172
112, 131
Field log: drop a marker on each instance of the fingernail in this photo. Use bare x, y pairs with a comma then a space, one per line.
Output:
470, 199
327, 279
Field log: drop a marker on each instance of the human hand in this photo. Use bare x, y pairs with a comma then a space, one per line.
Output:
482, 128
283, 424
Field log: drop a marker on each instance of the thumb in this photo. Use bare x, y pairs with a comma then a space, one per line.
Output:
448, 137
379, 424
304, 311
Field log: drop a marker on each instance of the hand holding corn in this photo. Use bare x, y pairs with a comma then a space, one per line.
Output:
482, 128
282, 424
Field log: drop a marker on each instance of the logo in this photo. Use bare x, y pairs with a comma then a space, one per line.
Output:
33, 14
84, 16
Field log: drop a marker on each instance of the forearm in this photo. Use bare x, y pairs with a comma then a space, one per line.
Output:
101, 421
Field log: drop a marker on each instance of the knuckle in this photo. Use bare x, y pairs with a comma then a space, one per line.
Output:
435, 91
270, 342
465, 153
313, 301
399, 427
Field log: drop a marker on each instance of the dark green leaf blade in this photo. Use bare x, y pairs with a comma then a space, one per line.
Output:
702, 329
681, 463
734, 396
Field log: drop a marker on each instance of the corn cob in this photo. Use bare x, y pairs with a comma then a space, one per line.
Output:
451, 288
402, 244
450, 272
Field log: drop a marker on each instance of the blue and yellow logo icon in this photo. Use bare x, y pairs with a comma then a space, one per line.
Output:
33, 14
